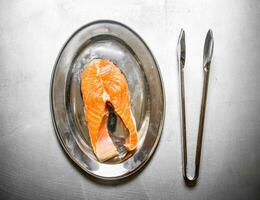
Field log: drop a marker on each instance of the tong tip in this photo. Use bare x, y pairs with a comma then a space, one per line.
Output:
208, 49
181, 49
210, 33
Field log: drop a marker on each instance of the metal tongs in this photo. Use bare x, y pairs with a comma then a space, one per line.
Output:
207, 56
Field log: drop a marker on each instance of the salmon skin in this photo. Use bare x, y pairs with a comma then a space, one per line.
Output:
103, 83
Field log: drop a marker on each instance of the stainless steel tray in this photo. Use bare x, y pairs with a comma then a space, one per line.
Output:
121, 45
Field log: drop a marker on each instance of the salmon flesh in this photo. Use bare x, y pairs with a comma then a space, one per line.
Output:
102, 82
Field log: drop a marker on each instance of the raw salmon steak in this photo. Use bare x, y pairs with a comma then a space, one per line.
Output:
102, 82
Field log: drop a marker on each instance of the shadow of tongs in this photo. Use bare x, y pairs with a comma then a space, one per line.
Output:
207, 56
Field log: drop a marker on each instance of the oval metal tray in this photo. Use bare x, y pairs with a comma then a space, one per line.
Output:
121, 45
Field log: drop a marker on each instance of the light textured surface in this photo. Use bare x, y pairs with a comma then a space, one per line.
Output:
32, 163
